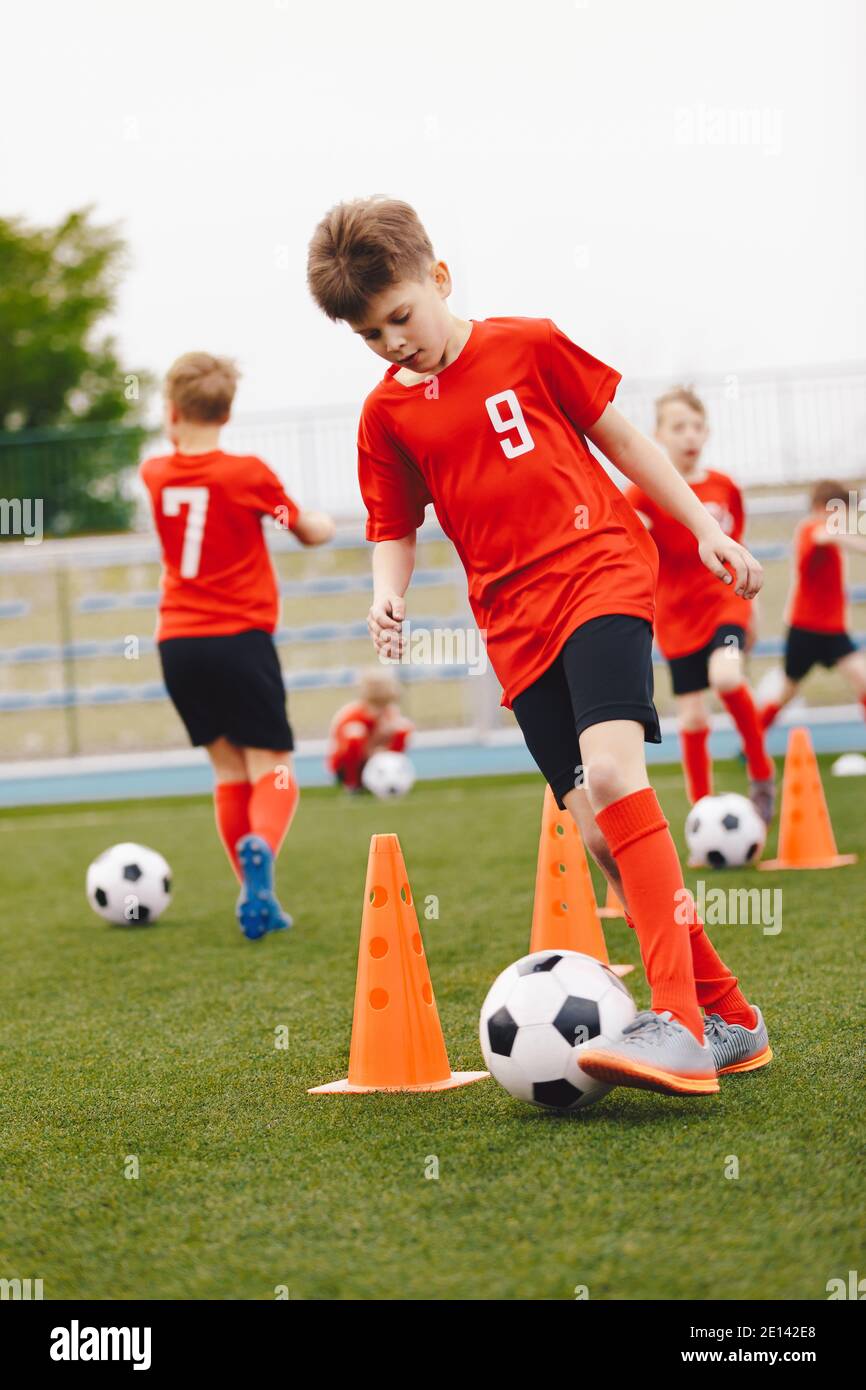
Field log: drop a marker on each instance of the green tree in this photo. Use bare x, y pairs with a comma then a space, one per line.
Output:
70, 412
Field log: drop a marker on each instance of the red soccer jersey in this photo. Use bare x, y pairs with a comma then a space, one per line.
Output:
495, 442
358, 712
818, 598
217, 573
690, 602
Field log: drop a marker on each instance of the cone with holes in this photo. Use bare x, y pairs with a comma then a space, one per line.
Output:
612, 905
564, 914
397, 1042
806, 839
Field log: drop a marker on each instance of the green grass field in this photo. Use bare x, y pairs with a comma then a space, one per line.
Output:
160, 1043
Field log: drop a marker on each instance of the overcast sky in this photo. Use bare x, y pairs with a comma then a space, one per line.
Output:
679, 184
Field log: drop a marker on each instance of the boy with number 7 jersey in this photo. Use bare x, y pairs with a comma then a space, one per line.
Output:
488, 420
219, 605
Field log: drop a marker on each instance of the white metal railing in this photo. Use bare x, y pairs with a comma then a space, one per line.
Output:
783, 426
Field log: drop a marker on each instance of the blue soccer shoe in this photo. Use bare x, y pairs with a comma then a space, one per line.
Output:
258, 911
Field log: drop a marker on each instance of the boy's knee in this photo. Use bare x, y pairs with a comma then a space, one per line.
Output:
725, 670
692, 712
605, 781
691, 721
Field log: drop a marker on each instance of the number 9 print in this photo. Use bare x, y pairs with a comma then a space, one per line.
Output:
514, 421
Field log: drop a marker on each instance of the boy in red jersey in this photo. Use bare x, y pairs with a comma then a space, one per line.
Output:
487, 420
817, 630
218, 609
701, 627
365, 726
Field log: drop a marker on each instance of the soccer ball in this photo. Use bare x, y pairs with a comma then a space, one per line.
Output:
540, 1014
724, 832
388, 774
129, 884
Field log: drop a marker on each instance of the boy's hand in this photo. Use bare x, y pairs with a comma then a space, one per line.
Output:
719, 550
385, 623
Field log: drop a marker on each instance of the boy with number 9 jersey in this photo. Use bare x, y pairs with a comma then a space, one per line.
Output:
218, 609
488, 420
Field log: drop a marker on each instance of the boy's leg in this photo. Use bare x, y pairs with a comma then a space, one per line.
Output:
231, 796
546, 718
351, 753
629, 816
769, 712
715, 985
727, 680
695, 744
663, 1049
273, 800
577, 803
274, 796
853, 668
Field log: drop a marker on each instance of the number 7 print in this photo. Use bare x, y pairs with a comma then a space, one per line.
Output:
196, 499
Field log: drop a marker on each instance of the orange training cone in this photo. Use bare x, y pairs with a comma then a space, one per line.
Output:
564, 914
612, 905
397, 1042
806, 838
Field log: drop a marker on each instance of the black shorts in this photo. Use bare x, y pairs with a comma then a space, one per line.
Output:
805, 648
604, 671
228, 687
692, 671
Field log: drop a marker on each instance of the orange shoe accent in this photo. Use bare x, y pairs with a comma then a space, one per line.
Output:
397, 1042
618, 1071
806, 838
752, 1064
612, 905
564, 914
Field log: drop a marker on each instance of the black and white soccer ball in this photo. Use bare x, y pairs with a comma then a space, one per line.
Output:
724, 832
540, 1014
129, 885
388, 774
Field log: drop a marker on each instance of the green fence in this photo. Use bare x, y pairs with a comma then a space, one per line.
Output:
64, 482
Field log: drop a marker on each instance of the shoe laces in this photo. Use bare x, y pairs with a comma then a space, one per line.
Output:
715, 1028
651, 1027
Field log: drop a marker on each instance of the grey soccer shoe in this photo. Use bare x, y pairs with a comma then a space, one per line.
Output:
654, 1053
736, 1048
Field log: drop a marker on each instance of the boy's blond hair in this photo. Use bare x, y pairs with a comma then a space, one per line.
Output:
361, 248
680, 395
378, 687
202, 387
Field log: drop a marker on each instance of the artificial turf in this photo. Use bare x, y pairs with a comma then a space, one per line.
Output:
159, 1044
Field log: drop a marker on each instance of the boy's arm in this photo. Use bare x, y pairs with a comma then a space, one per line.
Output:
314, 528
822, 536
264, 492
648, 466
393, 563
